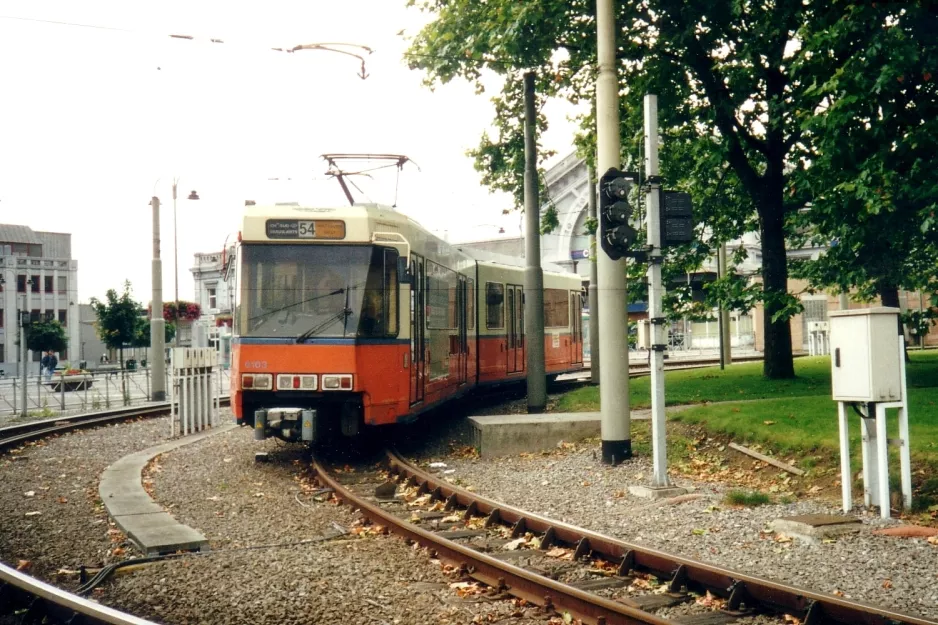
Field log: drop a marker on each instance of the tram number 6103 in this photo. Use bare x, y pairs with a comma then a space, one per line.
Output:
255, 364
307, 229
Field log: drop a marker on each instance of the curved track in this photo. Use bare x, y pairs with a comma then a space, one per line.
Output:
33, 601
744, 595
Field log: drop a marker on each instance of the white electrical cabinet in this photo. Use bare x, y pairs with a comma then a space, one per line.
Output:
864, 346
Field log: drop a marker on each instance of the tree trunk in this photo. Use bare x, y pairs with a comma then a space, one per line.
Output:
777, 362
889, 295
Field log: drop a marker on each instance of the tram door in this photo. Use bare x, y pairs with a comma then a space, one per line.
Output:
418, 312
515, 327
576, 328
462, 319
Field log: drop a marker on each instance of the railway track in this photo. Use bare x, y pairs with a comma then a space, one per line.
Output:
595, 578
29, 600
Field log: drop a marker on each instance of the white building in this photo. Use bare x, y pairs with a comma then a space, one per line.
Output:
212, 292
37, 274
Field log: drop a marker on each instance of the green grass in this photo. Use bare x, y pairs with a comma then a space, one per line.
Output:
745, 382
746, 498
810, 423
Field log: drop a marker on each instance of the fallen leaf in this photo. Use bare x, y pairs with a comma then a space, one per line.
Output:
560, 552
515, 544
30, 493
887, 584
117, 551
698, 532
22, 565
768, 422
62, 500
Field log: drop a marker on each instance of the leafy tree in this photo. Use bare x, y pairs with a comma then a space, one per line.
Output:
45, 335
142, 333
737, 82
118, 319
872, 159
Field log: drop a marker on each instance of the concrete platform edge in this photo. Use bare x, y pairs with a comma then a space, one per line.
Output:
145, 522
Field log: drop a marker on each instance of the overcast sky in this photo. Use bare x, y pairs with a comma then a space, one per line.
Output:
98, 118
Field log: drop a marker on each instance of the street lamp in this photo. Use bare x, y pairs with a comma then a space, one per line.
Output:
192, 196
23, 322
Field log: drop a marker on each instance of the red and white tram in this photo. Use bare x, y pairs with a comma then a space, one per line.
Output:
353, 317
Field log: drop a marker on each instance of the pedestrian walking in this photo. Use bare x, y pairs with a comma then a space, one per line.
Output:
48, 364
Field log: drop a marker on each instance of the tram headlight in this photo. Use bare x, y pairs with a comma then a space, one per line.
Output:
337, 382
257, 381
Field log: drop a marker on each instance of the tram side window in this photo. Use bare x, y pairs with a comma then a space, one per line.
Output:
391, 291
471, 305
556, 308
494, 305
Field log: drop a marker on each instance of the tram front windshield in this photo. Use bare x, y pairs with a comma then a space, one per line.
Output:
309, 291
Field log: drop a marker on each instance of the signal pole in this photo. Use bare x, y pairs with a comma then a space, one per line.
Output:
659, 339
533, 274
615, 425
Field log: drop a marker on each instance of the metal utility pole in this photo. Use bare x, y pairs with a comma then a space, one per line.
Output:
175, 268
24, 353
726, 351
594, 287
157, 324
659, 337
533, 274
615, 425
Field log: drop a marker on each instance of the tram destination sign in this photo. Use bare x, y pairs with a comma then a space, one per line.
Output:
305, 229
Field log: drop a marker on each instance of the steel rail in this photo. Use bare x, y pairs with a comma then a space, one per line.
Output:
500, 575
90, 611
813, 607
32, 593
22, 432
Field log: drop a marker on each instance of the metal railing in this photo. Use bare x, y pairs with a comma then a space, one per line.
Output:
60, 396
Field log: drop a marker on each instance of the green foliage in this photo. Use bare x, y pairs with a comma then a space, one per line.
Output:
142, 333
45, 335
873, 150
747, 498
118, 319
764, 108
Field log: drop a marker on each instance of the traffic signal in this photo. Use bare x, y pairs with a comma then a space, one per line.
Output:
615, 233
677, 218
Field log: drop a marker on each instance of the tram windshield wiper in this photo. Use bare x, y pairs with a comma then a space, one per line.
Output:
343, 314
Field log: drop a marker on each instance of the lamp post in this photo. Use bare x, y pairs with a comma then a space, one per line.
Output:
192, 196
157, 324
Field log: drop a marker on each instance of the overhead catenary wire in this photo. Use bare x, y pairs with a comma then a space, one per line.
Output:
336, 47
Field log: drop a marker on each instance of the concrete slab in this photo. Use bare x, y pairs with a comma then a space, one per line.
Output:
159, 533
814, 527
504, 435
144, 521
651, 492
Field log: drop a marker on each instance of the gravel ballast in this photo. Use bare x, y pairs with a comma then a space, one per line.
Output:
50, 516
256, 516
571, 485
